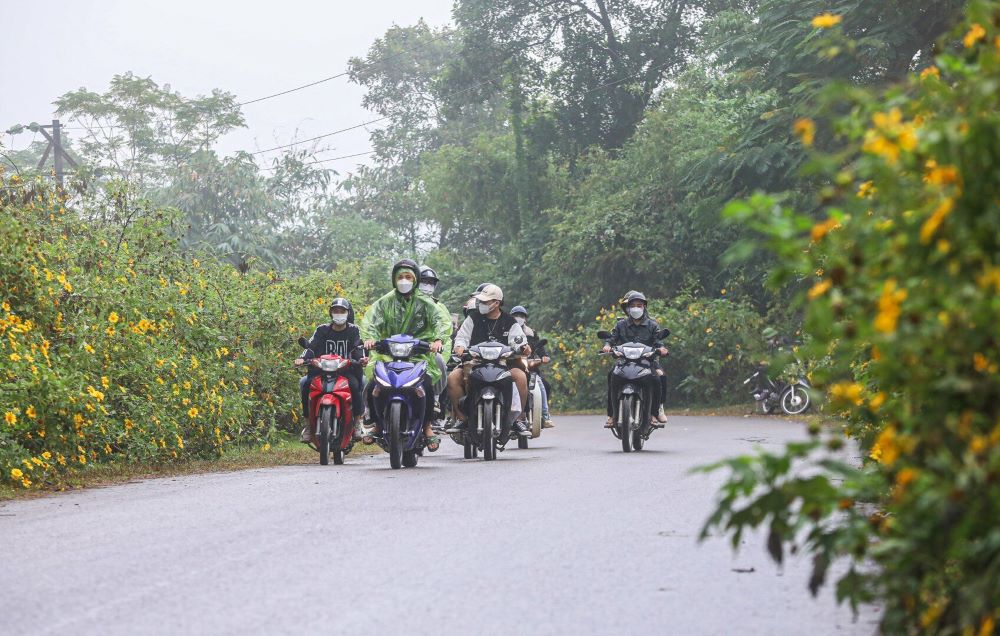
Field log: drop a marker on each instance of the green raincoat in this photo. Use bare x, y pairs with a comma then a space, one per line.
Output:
418, 316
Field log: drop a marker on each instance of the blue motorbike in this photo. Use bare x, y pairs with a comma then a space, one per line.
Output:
399, 399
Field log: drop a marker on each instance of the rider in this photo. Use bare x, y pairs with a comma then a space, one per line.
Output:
404, 310
540, 357
428, 286
489, 321
637, 326
341, 337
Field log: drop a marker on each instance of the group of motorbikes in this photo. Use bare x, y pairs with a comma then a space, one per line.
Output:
399, 397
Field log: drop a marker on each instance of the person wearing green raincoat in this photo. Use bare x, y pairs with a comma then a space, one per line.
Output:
406, 310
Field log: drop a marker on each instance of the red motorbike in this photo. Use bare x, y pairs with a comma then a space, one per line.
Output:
330, 414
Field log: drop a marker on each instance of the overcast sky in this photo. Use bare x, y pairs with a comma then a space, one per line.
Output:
249, 47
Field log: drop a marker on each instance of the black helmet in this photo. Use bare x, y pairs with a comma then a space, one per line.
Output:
519, 309
629, 297
406, 263
428, 274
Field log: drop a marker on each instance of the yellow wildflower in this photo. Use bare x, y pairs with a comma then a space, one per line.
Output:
113, 317
46, 455
822, 229
26, 482
847, 392
877, 401
976, 34
930, 71
16, 473
31, 412
10, 418
866, 190
932, 224
105, 382
88, 348
193, 412
826, 21
820, 288
888, 307
805, 128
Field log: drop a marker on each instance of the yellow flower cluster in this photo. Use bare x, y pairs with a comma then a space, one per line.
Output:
889, 307
890, 136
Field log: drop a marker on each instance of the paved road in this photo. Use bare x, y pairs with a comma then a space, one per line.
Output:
569, 537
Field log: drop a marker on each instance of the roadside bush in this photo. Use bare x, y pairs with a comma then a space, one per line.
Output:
904, 295
116, 347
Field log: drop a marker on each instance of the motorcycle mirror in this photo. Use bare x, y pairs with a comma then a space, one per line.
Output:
603, 335
303, 342
662, 333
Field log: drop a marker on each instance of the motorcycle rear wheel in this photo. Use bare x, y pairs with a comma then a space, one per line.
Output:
336, 433
395, 437
795, 400
410, 459
324, 435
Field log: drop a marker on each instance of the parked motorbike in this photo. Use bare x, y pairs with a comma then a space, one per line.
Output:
631, 401
791, 397
330, 413
400, 400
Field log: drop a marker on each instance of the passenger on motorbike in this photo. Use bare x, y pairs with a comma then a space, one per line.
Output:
538, 358
637, 326
405, 310
489, 322
428, 286
340, 337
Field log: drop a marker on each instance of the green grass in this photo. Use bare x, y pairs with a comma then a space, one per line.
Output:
286, 451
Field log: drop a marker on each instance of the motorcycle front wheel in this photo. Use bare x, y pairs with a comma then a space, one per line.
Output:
795, 400
395, 437
625, 421
489, 442
324, 435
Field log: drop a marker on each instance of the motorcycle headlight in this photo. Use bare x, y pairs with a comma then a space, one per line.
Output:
490, 353
400, 349
330, 365
632, 353
488, 394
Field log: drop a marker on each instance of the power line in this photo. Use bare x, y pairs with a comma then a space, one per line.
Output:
333, 77
309, 163
329, 134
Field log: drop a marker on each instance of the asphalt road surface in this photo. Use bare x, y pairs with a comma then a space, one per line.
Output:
571, 536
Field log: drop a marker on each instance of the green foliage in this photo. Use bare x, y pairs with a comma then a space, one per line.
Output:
118, 348
903, 279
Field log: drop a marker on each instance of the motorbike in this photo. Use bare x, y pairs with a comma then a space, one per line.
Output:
399, 400
330, 413
631, 403
791, 397
487, 404
533, 409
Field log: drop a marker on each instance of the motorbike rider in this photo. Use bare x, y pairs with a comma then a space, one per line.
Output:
539, 357
489, 322
339, 337
406, 310
637, 326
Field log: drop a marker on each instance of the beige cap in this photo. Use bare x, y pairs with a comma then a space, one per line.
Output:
490, 292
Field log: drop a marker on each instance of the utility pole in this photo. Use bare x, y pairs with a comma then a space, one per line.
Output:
58, 153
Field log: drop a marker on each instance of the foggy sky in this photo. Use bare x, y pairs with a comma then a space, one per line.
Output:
249, 47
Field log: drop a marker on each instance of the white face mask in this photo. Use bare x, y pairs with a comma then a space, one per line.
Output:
636, 312
427, 288
520, 320
404, 286
484, 308
339, 319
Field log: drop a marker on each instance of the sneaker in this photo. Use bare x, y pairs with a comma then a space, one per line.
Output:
306, 436
458, 426
359, 431
547, 423
610, 423
522, 428
661, 417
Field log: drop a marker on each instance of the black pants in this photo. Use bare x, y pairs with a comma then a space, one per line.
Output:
651, 383
428, 385
353, 381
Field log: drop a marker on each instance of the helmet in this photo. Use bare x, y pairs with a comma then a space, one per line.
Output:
428, 274
629, 297
406, 263
470, 306
519, 310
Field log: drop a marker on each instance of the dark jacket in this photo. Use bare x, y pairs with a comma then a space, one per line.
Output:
628, 331
326, 340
